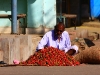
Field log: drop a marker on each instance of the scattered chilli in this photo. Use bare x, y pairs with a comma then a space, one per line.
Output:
50, 57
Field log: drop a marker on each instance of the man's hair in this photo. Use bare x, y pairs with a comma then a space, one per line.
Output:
61, 23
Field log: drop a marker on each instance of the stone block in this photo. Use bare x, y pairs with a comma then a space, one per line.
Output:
35, 41
39, 30
18, 47
48, 29
5, 29
1, 55
24, 52
82, 33
26, 46
72, 35
10, 48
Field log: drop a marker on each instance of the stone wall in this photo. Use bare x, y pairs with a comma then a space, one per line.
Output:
18, 47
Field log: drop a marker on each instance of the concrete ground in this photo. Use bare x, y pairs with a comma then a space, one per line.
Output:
89, 28
51, 70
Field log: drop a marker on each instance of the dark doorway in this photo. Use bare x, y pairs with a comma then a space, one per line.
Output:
64, 6
85, 10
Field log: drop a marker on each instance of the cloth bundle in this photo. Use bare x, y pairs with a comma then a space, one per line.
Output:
89, 56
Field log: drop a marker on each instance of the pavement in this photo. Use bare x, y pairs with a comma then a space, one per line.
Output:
89, 28
51, 70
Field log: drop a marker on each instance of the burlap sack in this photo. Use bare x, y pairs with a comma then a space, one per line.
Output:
90, 56
83, 33
80, 43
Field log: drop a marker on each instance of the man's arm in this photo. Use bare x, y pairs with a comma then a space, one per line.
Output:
71, 50
42, 42
68, 48
67, 42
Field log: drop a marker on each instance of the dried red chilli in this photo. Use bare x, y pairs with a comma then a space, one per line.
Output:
50, 57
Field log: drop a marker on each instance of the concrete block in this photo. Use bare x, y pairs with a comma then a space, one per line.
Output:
1, 55
23, 39
48, 29
10, 48
82, 33
26, 46
35, 41
72, 35
5, 29
24, 52
26, 40
39, 30
18, 47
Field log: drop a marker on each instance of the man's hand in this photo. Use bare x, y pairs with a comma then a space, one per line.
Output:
71, 52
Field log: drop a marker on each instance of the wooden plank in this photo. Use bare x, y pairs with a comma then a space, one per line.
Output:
68, 15
9, 16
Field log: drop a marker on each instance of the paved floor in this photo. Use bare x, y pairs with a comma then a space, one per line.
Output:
91, 26
51, 70
90, 29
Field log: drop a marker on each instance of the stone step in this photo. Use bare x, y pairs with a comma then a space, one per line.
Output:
92, 24
18, 47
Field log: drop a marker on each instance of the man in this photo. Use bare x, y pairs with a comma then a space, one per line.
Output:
58, 38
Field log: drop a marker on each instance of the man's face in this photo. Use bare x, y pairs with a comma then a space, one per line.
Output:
59, 30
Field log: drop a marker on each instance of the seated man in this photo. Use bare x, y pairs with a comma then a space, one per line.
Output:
58, 38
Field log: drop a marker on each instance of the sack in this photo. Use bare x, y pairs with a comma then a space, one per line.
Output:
90, 56
80, 42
